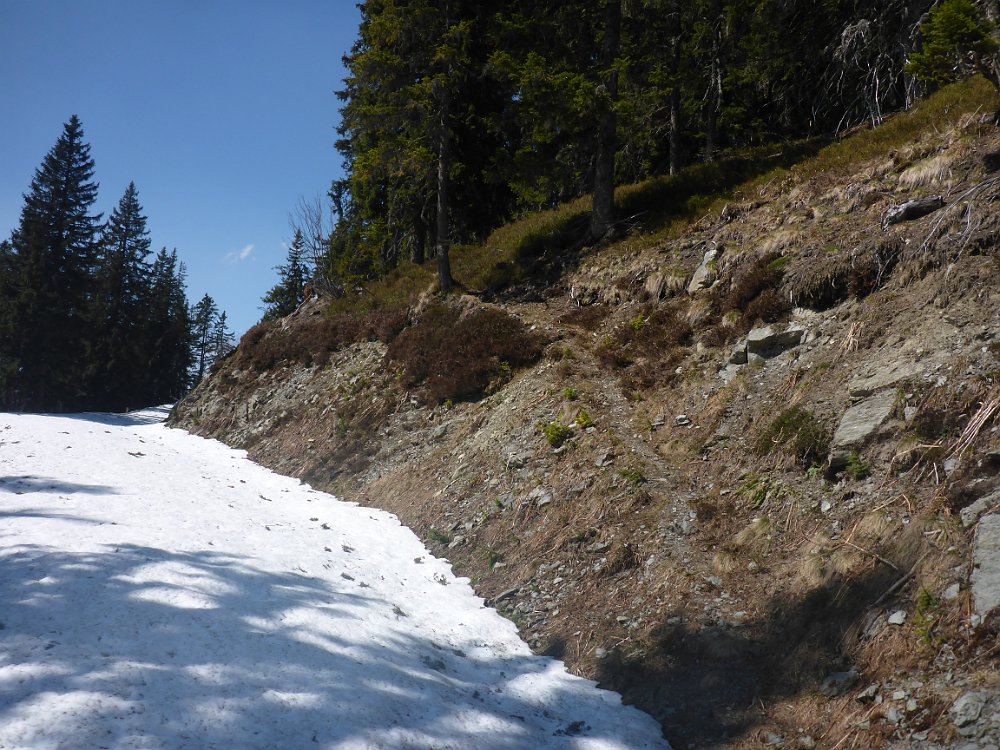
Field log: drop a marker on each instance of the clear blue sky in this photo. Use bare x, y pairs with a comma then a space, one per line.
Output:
222, 112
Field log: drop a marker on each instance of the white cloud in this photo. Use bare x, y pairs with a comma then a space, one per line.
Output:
238, 256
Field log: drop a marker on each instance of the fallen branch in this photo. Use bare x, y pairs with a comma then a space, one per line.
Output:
911, 210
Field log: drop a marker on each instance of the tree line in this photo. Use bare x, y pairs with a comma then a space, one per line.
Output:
88, 319
458, 116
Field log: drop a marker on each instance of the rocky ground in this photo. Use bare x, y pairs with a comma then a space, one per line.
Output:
770, 513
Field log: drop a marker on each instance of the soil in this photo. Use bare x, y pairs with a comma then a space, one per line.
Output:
682, 547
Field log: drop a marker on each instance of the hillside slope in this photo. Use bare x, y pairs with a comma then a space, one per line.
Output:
750, 478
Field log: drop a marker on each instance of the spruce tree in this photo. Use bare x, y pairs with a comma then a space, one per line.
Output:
124, 289
957, 41
285, 296
168, 330
203, 323
49, 362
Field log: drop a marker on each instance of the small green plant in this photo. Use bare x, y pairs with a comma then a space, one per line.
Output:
635, 475
493, 557
814, 472
556, 433
779, 264
638, 323
798, 432
438, 536
448, 404
571, 394
583, 420
856, 467
759, 489
926, 617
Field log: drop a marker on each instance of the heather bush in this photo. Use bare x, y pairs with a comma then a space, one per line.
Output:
311, 341
456, 355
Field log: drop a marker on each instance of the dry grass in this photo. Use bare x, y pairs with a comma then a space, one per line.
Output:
935, 171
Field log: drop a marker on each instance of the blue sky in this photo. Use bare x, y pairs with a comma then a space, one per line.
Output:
222, 112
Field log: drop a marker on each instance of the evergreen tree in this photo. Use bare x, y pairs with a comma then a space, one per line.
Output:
222, 343
49, 360
123, 292
285, 296
957, 41
168, 330
204, 317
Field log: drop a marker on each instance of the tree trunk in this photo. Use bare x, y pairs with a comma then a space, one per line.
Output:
602, 216
675, 93
713, 97
445, 280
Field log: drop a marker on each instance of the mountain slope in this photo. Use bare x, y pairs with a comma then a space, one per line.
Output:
753, 534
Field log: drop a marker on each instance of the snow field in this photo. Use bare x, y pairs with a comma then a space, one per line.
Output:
158, 590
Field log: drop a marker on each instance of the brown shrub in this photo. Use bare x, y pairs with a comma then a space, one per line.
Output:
311, 341
755, 292
588, 317
457, 356
647, 347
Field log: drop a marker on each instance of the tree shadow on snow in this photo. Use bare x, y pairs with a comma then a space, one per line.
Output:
27, 483
138, 646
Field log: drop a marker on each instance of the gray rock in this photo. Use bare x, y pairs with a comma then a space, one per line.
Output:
766, 342
985, 582
775, 740
858, 424
540, 497
839, 683
739, 354
705, 274
951, 593
972, 513
967, 708
682, 420
898, 617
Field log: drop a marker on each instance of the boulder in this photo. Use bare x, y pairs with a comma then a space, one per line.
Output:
706, 274
986, 565
766, 342
858, 424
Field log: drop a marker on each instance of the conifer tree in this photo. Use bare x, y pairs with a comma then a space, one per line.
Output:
168, 330
222, 343
957, 42
203, 322
123, 291
285, 296
49, 360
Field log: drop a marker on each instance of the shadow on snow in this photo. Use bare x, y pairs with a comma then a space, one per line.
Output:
221, 654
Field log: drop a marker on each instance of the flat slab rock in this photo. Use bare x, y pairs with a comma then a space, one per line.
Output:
859, 423
986, 565
766, 342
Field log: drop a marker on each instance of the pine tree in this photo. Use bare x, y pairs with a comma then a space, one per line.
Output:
124, 289
285, 296
168, 330
49, 362
203, 322
222, 343
957, 41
